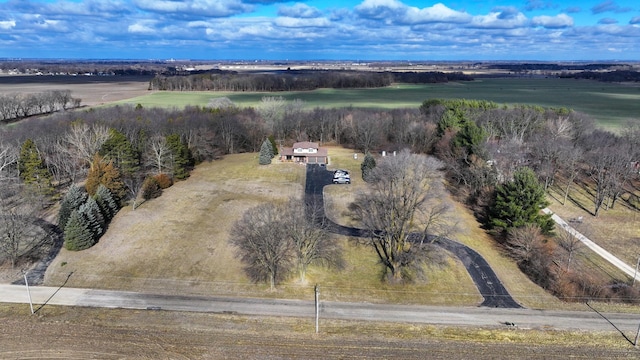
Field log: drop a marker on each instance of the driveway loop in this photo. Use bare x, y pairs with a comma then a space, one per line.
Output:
494, 293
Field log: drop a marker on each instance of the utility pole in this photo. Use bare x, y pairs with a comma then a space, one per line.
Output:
636, 273
316, 290
26, 282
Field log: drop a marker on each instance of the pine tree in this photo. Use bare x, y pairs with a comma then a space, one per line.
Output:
266, 153
274, 146
71, 201
106, 202
368, 164
91, 213
120, 150
33, 170
77, 234
182, 159
518, 203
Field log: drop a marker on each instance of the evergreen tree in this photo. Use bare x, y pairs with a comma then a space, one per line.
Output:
33, 170
91, 213
470, 137
106, 202
119, 149
368, 164
518, 203
266, 153
274, 146
105, 173
77, 234
71, 201
182, 159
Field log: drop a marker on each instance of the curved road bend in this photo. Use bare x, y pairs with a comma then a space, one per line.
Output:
494, 293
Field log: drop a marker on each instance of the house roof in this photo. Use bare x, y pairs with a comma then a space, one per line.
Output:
305, 145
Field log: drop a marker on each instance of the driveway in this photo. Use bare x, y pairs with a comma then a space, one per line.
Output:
494, 293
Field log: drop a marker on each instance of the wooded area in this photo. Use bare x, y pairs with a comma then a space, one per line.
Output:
296, 80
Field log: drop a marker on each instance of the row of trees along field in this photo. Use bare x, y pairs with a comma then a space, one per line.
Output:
295, 80
481, 144
19, 106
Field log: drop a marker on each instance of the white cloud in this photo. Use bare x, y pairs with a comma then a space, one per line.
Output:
7, 24
499, 20
299, 10
380, 9
553, 22
286, 21
214, 8
142, 27
436, 13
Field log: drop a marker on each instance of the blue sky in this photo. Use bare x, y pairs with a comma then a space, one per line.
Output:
321, 30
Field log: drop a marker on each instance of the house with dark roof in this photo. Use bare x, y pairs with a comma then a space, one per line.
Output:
304, 152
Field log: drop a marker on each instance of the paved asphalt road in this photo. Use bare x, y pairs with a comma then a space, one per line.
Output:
453, 316
487, 282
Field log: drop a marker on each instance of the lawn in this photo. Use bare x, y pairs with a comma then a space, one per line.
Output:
611, 105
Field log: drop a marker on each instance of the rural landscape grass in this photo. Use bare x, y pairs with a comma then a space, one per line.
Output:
612, 105
178, 243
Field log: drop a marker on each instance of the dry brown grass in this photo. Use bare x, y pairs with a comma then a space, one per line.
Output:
178, 244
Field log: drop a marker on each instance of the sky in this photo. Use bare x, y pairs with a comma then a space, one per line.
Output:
363, 30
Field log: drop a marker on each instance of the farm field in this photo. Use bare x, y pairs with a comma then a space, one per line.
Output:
611, 105
86, 333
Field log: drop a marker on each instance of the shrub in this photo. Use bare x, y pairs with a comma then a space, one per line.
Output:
163, 180
151, 189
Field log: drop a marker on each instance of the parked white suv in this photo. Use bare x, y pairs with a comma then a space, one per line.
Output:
341, 177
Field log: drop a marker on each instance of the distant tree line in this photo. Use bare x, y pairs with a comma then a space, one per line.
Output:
555, 67
295, 80
608, 76
18, 106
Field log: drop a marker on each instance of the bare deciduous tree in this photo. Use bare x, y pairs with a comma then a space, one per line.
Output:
394, 208
533, 254
8, 157
306, 227
570, 243
158, 155
84, 141
263, 244
20, 234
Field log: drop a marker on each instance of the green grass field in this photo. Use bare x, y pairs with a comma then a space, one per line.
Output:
611, 105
